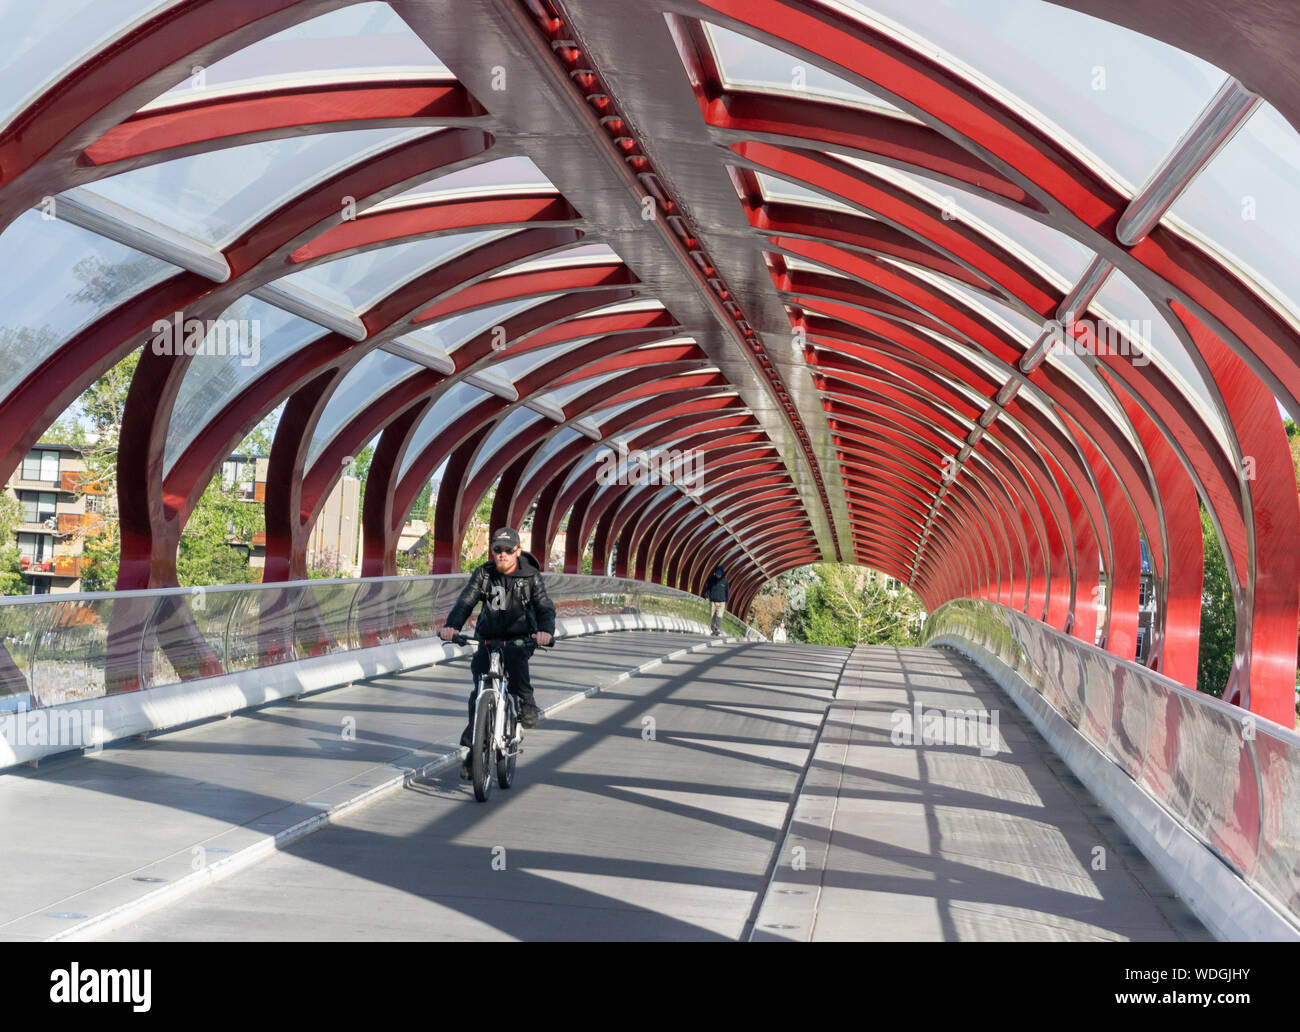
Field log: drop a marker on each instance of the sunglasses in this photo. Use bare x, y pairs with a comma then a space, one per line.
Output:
502, 550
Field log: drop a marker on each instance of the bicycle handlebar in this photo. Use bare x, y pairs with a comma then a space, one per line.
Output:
465, 639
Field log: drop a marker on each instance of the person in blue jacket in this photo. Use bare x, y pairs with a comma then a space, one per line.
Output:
717, 591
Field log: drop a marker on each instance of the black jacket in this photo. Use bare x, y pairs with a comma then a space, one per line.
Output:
514, 604
716, 588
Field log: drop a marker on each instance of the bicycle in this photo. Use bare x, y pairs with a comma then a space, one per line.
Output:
497, 731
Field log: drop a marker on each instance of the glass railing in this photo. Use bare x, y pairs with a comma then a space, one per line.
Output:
1230, 777
63, 648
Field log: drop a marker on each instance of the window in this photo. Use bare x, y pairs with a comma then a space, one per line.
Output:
35, 547
37, 506
94, 503
41, 465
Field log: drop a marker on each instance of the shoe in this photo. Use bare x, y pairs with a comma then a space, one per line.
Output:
465, 773
528, 715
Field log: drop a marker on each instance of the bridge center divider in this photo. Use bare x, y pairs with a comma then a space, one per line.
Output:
1227, 776
77, 670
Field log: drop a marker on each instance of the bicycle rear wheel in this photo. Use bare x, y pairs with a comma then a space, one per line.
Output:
483, 751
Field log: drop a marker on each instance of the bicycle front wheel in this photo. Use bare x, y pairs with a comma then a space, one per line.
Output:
483, 752
506, 760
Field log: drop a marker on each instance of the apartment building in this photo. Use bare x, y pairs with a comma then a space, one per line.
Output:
335, 542
59, 509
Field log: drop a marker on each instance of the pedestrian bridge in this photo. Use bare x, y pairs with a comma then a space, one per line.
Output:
997, 299
680, 786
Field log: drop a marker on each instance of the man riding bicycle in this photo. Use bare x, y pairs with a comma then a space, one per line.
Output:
515, 605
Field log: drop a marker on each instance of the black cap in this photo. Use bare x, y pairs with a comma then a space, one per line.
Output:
505, 536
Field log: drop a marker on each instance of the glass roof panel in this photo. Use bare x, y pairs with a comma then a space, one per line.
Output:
748, 64
796, 263
1120, 301
265, 335
42, 45
213, 197
498, 176
376, 373
1124, 97
514, 425
583, 254
1051, 252
1078, 370
365, 39
563, 395
517, 367
450, 333
59, 278
1018, 326
774, 189
458, 398
565, 436
1245, 204
359, 280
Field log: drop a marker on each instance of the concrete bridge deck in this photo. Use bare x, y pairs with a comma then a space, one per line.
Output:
678, 803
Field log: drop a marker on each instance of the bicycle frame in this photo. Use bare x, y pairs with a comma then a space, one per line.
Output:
496, 683
490, 746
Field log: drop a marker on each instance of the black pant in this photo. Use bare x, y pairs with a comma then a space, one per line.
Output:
514, 660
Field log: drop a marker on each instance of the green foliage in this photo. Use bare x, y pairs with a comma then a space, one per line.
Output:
836, 604
209, 552
99, 560
415, 561
260, 439
67, 429
478, 528
360, 469
420, 507
11, 578
1218, 617
103, 406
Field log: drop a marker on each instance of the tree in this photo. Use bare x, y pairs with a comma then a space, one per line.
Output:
11, 577
768, 610
95, 424
103, 406
360, 469
476, 529
835, 604
420, 507
1218, 617
849, 607
67, 429
99, 559
209, 552
260, 439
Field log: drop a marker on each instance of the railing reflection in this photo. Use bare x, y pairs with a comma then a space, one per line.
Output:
1230, 777
64, 648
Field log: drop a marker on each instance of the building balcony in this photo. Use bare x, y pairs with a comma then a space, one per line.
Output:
78, 482
18, 482
81, 523
60, 566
